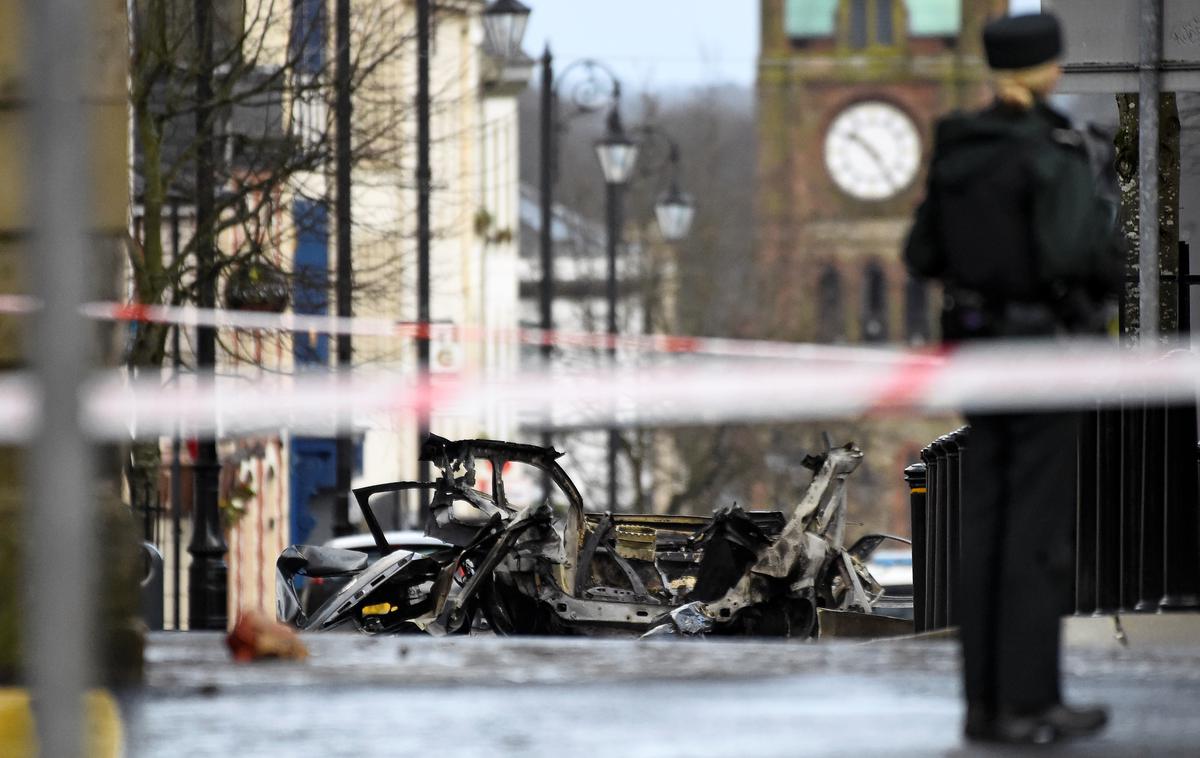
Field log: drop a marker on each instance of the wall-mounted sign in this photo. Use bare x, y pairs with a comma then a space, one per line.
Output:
1102, 44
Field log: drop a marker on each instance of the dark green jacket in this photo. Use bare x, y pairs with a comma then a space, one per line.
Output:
1012, 211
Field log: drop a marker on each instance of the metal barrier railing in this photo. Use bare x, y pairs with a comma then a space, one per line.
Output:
1137, 526
1138, 520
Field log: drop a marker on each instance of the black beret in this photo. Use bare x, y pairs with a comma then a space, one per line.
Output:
1022, 41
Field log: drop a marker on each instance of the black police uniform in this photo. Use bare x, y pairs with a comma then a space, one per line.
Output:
1013, 226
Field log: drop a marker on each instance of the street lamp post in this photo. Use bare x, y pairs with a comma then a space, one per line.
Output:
618, 156
176, 443
424, 188
598, 88
504, 24
207, 590
674, 209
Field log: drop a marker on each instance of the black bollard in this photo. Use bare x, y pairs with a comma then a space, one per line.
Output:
930, 456
964, 439
940, 506
914, 477
953, 500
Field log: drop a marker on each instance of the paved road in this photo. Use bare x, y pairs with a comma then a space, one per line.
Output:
484, 696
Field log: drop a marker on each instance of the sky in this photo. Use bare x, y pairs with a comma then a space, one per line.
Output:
656, 44
652, 44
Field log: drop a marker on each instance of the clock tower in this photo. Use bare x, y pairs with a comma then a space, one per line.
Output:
848, 93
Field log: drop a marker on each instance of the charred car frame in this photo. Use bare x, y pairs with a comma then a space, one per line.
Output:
551, 567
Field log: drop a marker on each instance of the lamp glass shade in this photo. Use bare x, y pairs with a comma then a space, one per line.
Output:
617, 156
675, 212
504, 24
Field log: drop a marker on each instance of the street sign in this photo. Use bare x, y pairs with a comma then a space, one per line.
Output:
1102, 45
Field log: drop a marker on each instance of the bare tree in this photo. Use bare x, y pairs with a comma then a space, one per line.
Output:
272, 106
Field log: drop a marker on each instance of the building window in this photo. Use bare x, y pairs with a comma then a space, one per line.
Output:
875, 320
916, 312
810, 19
858, 24
830, 323
308, 35
884, 26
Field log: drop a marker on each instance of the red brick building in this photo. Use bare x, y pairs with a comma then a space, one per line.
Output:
848, 92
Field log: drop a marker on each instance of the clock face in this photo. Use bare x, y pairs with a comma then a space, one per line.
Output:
872, 150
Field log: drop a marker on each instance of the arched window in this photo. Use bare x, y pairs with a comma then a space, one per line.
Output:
875, 310
858, 24
885, 33
870, 23
916, 312
830, 322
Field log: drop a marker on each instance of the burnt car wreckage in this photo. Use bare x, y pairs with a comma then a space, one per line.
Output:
552, 568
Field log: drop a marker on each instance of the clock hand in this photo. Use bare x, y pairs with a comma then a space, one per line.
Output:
875, 156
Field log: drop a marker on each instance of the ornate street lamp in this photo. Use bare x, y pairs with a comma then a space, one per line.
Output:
594, 88
674, 208
675, 212
617, 152
504, 24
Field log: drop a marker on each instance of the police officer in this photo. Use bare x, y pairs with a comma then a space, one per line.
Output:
1024, 245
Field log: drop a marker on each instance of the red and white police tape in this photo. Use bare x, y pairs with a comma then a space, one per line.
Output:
995, 377
803, 382
366, 326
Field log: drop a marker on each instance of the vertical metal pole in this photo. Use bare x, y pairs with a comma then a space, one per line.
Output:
549, 161
1135, 489
613, 206
1149, 59
207, 577
343, 108
59, 562
1108, 516
176, 464
549, 156
424, 187
1150, 544
1086, 514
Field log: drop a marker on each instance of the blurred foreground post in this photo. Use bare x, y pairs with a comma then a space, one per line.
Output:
60, 522
1149, 89
63, 217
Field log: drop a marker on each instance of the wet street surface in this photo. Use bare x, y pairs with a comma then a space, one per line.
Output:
487, 696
